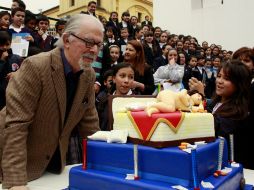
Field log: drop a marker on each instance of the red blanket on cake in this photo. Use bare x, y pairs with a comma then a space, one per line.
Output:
146, 125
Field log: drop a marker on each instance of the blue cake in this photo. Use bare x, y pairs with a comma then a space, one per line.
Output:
158, 169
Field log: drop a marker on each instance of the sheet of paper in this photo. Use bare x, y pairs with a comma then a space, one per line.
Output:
19, 44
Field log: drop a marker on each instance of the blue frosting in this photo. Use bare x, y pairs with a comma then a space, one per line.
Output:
159, 169
166, 165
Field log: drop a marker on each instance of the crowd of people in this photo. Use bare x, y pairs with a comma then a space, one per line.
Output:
128, 58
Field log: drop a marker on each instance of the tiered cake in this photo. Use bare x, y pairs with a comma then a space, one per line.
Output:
107, 164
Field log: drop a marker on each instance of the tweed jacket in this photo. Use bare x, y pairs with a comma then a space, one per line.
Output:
32, 124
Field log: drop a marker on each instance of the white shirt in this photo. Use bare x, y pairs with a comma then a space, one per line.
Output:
125, 25
129, 93
44, 36
168, 72
16, 29
216, 107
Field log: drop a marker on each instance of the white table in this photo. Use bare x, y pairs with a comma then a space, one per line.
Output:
58, 182
51, 181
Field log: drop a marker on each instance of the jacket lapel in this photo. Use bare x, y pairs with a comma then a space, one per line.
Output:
78, 100
59, 81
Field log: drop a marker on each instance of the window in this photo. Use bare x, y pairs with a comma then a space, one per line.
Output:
98, 3
72, 3
197, 4
139, 17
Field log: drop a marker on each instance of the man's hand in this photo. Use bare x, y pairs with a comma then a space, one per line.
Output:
19, 188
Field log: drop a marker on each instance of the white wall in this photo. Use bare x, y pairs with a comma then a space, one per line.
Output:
229, 24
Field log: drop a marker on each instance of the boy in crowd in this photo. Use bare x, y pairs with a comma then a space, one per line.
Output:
91, 8
42, 39
18, 3
17, 26
60, 24
123, 42
102, 100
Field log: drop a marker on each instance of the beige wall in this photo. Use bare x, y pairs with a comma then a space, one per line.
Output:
144, 7
227, 24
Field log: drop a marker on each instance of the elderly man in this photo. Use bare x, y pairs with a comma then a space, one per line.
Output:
50, 95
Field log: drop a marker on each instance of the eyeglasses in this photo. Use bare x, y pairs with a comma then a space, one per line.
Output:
88, 42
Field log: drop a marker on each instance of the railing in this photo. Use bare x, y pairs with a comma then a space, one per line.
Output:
8, 9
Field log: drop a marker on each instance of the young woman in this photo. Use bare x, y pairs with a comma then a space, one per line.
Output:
170, 73
230, 106
143, 82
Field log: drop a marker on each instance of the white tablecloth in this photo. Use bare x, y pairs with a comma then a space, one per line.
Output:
58, 182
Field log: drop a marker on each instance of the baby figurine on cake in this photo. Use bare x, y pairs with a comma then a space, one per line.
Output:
169, 101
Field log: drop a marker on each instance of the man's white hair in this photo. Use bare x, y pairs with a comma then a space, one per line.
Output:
74, 24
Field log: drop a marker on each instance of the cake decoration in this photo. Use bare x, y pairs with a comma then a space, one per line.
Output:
146, 131
135, 154
113, 136
220, 155
194, 169
231, 146
117, 136
170, 101
84, 144
134, 176
187, 147
231, 143
179, 187
100, 136
207, 185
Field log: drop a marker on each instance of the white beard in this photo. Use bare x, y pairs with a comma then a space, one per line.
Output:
83, 64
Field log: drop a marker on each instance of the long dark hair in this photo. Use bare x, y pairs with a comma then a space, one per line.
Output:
236, 107
139, 63
245, 53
